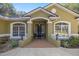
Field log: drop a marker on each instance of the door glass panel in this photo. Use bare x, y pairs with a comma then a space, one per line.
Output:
39, 30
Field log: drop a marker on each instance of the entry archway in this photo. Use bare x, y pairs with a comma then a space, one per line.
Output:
39, 26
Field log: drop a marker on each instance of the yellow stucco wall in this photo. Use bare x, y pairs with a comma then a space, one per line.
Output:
40, 14
65, 16
5, 26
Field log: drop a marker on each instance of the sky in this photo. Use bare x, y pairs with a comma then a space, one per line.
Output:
28, 6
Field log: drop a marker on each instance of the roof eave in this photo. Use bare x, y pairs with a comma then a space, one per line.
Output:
37, 9
14, 19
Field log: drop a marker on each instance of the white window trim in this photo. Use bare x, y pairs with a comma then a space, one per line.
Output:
11, 30
69, 30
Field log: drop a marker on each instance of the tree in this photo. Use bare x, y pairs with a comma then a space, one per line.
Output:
7, 9
20, 13
72, 6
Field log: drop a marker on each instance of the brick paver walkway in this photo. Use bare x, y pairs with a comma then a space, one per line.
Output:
40, 43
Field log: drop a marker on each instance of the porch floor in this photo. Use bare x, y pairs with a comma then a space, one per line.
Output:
40, 43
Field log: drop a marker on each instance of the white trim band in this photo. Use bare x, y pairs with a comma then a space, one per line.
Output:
3, 35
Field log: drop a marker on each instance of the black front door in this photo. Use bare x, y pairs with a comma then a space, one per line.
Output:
40, 31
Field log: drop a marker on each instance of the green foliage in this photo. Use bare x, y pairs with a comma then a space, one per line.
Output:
20, 13
14, 43
65, 43
7, 9
72, 42
72, 6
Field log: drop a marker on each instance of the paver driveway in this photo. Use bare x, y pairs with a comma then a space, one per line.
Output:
41, 52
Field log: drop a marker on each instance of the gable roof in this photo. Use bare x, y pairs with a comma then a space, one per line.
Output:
41, 9
63, 8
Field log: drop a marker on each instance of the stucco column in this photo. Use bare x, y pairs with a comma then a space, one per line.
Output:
23, 43
29, 29
49, 29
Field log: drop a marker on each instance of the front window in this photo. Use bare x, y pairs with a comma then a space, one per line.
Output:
61, 28
18, 30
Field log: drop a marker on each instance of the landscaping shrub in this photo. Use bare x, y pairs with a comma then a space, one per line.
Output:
14, 43
74, 41
65, 43
71, 42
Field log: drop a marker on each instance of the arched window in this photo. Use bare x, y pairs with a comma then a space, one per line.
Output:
62, 28
18, 29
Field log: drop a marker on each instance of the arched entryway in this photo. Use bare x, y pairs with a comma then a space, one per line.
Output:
39, 26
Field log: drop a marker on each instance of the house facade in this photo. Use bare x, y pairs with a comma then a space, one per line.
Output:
41, 23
